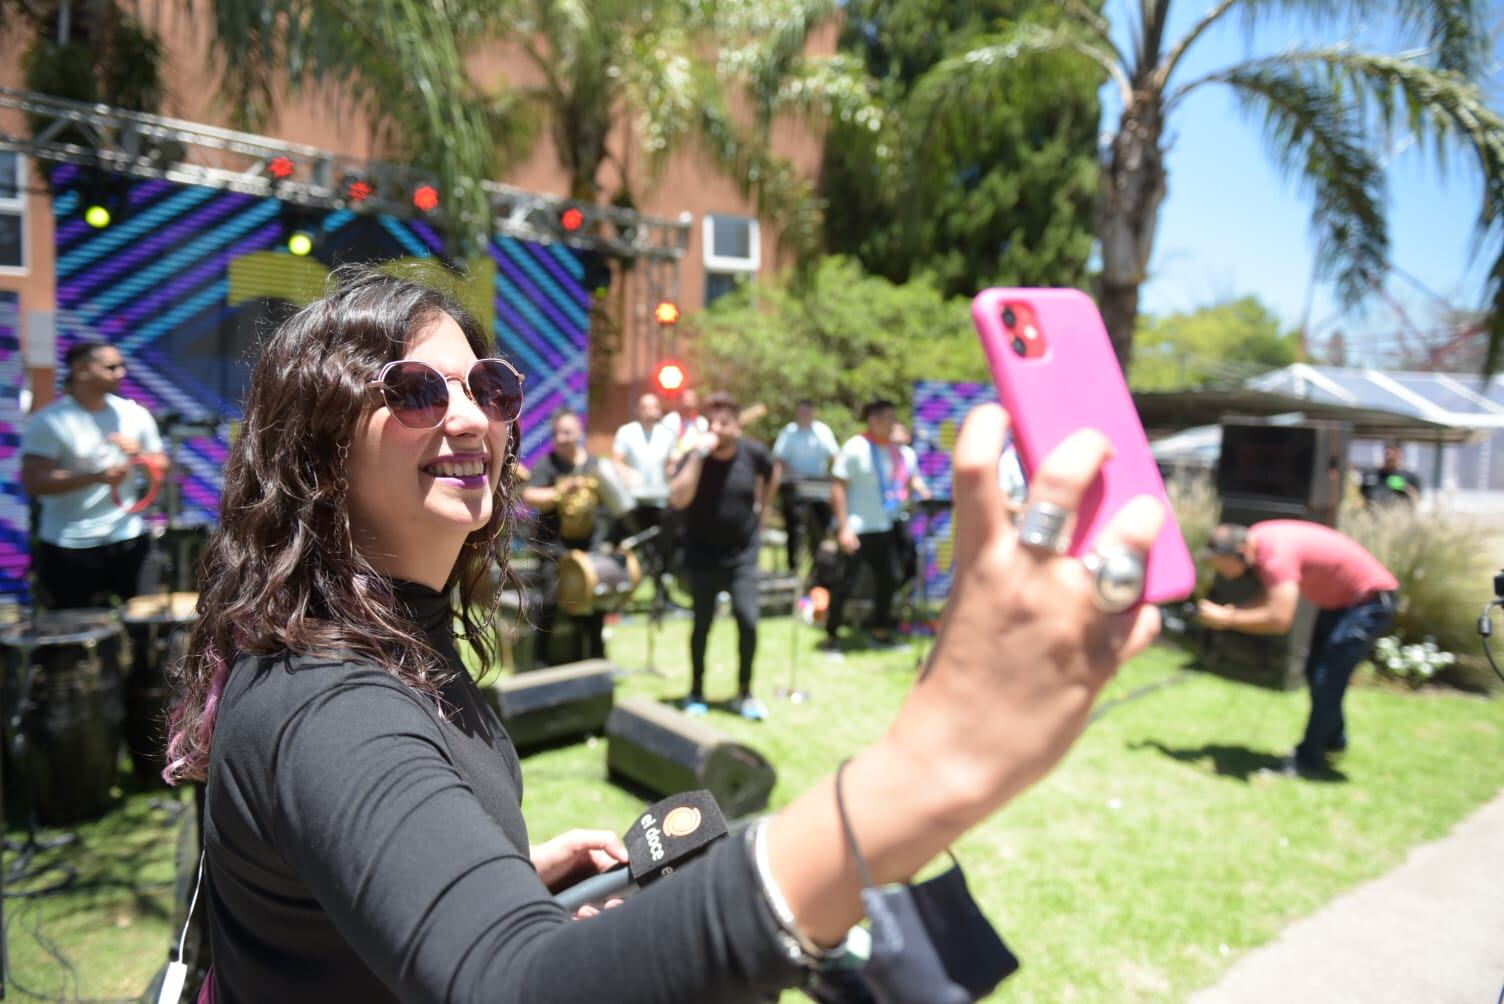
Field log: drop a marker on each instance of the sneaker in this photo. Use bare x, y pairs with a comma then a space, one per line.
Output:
827, 644
751, 708
695, 706
1291, 766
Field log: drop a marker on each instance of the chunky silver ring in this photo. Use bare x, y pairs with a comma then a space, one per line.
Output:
1041, 526
1117, 575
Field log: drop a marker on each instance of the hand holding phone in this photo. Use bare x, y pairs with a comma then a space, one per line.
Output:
1056, 372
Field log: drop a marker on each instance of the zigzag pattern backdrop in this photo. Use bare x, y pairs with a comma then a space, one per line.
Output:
939, 409
14, 554
187, 279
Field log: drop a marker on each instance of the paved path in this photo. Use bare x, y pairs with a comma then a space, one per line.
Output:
1429, 932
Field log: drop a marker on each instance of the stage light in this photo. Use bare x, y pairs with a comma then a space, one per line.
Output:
97, 216
357, 189
571, 220
300, 243
670, 377
281, 168
666, 313
426, 198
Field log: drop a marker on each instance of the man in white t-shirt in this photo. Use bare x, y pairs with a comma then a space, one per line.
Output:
76, 454
804, 450
641, 451
868, 488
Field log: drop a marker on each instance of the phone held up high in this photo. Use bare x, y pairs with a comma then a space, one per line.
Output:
1056, 372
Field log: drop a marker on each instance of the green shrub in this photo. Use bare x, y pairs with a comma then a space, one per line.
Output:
840, 338
1197, 509
1444, 563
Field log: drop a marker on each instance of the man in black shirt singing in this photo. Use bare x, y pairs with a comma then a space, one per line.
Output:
724, 486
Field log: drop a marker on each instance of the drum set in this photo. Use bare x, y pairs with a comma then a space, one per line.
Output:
76, 686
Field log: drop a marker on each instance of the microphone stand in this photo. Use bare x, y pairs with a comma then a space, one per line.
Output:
792, 693
655, 569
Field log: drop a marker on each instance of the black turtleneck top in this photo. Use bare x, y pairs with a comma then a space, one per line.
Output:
363, 848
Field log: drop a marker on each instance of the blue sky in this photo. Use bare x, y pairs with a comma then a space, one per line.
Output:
1232, 225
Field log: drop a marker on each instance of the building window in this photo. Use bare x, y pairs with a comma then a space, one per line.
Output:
12, 212
733, 252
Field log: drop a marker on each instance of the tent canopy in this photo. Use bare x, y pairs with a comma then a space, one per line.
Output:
1428, 407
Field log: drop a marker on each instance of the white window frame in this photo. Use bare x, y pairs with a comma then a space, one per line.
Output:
728, 263
17, 208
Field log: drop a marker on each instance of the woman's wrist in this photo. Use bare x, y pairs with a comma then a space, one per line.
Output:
900, 816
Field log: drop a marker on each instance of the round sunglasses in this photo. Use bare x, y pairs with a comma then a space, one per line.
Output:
418, 395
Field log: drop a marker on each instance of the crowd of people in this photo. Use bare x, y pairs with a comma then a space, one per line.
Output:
701, 494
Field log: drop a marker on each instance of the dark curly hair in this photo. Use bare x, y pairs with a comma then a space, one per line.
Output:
282, 574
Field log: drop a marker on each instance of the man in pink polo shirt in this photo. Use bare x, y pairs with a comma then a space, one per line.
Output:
1295, 559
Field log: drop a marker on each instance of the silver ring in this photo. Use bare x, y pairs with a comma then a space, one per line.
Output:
1041, 526
1117, 576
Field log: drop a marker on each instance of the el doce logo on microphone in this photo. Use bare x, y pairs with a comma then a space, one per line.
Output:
680, 822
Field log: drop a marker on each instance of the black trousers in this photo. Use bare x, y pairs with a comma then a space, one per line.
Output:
74, 577
879, 552
705, 584
802, 518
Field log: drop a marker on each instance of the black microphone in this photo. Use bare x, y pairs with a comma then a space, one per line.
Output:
672, 832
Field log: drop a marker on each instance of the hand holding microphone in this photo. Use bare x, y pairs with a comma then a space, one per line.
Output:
671, 833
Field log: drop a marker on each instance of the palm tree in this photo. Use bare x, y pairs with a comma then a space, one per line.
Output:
1326, 112
668, 67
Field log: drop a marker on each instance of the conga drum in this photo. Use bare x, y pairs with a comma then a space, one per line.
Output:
590, 582
158, 629
613, 490
62, 707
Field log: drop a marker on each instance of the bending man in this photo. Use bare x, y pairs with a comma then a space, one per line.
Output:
1354, 592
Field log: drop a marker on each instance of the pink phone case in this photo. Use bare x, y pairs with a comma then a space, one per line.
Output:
1069, 379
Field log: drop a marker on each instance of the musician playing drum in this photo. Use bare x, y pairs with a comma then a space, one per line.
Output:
566, 491
76, 454
804, 450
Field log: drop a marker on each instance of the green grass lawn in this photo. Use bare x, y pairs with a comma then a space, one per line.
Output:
1138, 871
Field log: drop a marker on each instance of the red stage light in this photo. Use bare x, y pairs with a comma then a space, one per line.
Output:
281, 168
426, 198
359, 190
667, 312
670, 377
571, 220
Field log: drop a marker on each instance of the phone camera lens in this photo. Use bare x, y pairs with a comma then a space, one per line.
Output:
1009, 319
1020, 347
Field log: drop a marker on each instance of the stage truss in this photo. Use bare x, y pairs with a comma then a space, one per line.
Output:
647, 249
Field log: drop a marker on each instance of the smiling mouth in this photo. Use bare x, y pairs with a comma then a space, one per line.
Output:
462, 469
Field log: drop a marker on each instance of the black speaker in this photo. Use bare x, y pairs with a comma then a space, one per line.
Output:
1286, 470
666, 752
547, 705
1274, 470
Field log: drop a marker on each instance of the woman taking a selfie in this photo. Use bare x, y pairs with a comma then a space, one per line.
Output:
364, 837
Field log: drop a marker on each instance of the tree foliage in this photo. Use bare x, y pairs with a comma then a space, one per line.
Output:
840, 338
1330, 114
1224, 343
995, 187
671, 71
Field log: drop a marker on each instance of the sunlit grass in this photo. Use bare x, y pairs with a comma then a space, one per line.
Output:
1138, 871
